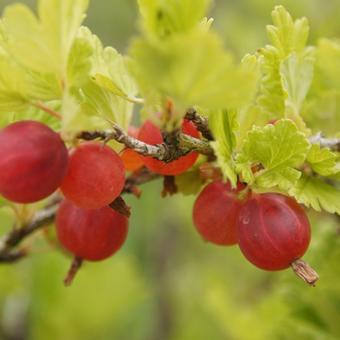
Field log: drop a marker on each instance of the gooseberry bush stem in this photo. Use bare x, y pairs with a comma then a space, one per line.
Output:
162, 151
10, 243
167, 153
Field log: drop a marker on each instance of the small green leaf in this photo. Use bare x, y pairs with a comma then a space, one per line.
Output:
323, 161
286, 34
32, 112
271, 98
315, 193
48, 38
79, 116
104, 87
35, 51
13, 86
279, 149
192, 69
108, 84
79, 63
296, 76
287, 67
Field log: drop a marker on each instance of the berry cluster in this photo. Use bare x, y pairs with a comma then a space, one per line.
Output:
34, 162
271, 230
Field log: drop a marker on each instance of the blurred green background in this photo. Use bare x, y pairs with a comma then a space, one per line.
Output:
166, 283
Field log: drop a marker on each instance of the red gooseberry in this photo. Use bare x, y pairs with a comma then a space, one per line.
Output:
151, 134
131, 159
33, 161
95, 176
216, 211
273, 231
90, 234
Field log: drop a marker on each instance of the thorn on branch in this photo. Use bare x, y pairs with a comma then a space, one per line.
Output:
121, 207
169, 186
200, 122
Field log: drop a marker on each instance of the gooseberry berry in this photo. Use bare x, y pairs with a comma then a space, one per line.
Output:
216, 211
151, 134
273, 231
131, 159
95, 176
33, 161
90, 234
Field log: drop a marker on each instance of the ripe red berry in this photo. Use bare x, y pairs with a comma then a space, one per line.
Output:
131, 159
33, 161
95, 176
273, 231
151, 134
90, 234
216, 211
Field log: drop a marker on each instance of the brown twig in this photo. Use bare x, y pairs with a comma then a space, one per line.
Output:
164, 151
15, 236
187, 142
139, 177
200, 122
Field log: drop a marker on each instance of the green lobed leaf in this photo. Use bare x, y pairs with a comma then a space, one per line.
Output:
162, 18
287, 67
13, 87
108, 84
286, 34
34, 51
102, 89
79, 63
323, 161
224, 125
279, 149
271, 98
78, 115
296, 77
192, 69
315, 193
48, 37
34, 113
